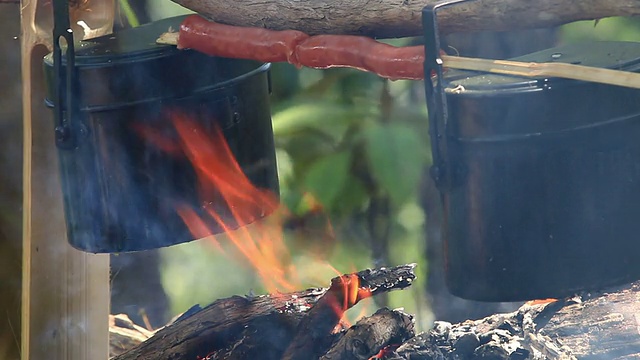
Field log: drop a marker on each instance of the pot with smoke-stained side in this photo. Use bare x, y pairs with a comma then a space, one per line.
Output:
540, 177
121, 186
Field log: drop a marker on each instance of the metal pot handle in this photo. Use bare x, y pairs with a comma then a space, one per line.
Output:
65, 81
434, 89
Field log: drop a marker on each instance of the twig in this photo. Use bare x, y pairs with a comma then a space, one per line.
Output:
532, 69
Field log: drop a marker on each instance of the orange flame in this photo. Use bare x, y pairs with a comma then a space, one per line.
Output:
220, 176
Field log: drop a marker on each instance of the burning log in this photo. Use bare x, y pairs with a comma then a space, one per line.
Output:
267, 326
385, 19
595, 326
345, 291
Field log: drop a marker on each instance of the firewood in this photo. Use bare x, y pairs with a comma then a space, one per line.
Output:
310, 341
387, 18
241, 327
372, 334
218, 325
124, 334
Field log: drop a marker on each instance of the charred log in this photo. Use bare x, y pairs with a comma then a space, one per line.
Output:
345, 291
591, 326
373, 335
248, 327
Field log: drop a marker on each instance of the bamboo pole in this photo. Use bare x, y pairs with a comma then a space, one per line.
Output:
65, 292
532, 69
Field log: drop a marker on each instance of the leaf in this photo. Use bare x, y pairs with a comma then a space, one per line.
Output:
305, 149
352, 197
327, 177
397, 156
330, 118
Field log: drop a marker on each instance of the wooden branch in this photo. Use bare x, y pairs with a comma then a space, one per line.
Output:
247, 327
595, 326
389, 18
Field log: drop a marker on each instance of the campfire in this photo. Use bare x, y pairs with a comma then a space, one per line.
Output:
290, 320
287, 323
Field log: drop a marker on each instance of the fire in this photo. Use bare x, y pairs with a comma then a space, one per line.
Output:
221, 177
219, 173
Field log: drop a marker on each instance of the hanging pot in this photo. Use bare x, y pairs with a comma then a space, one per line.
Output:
540, 177
120, 193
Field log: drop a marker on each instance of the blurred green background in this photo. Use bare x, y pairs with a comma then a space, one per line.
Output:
357, 143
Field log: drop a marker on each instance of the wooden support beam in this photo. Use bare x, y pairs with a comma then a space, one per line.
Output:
65, 292
394, 18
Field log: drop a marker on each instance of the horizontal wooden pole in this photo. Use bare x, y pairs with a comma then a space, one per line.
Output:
393, 18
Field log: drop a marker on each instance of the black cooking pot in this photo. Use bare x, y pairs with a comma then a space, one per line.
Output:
540, 178
121, 190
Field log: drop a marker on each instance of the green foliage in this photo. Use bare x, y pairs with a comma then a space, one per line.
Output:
616, 28
396, 156
327, 177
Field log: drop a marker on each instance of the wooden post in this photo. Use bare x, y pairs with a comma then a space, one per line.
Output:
65, 292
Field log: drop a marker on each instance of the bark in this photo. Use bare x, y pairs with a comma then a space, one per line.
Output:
391, 18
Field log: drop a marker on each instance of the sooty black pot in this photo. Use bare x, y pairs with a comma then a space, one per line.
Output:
120, 192
540, 178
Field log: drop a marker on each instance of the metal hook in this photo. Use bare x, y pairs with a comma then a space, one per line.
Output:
436, 99
64, 77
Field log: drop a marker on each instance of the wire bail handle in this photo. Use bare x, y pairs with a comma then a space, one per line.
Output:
434, 89
65, 82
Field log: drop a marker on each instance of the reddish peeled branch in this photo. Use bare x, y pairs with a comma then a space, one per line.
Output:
238, 42
363, 53
299, 49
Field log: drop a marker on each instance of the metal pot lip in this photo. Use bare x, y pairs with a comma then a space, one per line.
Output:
130, 45
619, 55
128, 68
201, 91
560, 135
